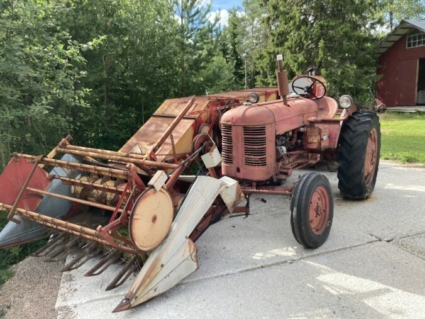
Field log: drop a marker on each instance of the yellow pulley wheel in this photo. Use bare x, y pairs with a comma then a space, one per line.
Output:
150, 219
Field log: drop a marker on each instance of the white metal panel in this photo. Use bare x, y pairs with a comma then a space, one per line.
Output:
176, 258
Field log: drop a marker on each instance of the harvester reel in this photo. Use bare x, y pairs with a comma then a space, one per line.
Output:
307, 90
151, 218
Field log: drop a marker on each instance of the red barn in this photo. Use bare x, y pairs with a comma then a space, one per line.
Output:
402, 65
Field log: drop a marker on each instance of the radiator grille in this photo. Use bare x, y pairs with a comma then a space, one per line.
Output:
226, 135
255, 145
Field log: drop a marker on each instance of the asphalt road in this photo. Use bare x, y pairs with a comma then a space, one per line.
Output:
372, 266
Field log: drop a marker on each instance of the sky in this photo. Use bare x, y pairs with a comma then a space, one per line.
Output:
225, 4
222, 8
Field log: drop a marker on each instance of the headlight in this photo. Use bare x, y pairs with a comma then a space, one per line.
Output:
345, 101
253, 98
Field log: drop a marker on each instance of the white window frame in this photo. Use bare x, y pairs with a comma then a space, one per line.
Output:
415, 40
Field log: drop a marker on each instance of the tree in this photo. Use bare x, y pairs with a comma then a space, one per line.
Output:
231, 47
131, 74
393, 11
331, 35
219, 76
41, 67
197, 43
250, 38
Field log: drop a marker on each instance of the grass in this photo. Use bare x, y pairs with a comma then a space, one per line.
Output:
5, 274
403, 137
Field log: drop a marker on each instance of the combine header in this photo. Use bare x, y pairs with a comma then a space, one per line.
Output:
195, 160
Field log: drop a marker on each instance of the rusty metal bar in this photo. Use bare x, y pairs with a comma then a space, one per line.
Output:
88, 252
53, 152
326, 120
177, 171
101, 151
103, 264
72, 181
118, 158
173, 177
53, 242
105, 152
174, 124
122, 276
21, 191
52, 221
60, 252
282, 80
116, 210
277, 190
105, 171
73, 199
74, 229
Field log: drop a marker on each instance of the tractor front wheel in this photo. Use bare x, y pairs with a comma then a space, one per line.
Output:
312, 210
359, 149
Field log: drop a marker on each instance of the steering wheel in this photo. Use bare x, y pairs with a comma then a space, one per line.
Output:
307, 90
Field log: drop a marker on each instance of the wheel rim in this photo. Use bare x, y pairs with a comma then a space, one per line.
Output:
370, 160
319, 210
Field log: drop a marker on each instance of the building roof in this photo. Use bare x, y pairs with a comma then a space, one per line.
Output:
403, 28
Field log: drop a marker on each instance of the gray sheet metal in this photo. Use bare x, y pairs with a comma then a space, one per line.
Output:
27, 231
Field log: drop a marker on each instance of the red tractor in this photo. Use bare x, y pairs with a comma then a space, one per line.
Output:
145, 203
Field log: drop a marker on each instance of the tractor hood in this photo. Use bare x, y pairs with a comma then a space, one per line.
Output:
285, 117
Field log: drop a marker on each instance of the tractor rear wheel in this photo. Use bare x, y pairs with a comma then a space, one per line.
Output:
359, 149
312, 210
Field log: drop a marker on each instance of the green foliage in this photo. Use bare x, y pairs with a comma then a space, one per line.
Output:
313, 33
403, 137
126, 76
230, 45
5, 272
40, 72
219, 76
98, 69
247, 35
391, 12
197, 42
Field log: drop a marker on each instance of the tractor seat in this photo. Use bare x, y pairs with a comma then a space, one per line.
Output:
327, 107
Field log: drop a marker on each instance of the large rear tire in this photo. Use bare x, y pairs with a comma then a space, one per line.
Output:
312, 210
359, 149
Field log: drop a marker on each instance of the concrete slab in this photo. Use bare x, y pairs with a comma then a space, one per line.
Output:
237, 247
75, 289
406, 109
377, 280
414, 245
395, 209
233, 245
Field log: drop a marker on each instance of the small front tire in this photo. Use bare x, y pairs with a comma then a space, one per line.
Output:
312, 210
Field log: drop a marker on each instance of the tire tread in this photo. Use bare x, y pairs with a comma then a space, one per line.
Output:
352, 152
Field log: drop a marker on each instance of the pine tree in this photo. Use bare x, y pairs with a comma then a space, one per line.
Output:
331, 35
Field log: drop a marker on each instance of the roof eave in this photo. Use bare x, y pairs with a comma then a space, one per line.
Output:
403, 28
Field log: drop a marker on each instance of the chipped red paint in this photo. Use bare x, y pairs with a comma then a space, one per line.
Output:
14, 176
